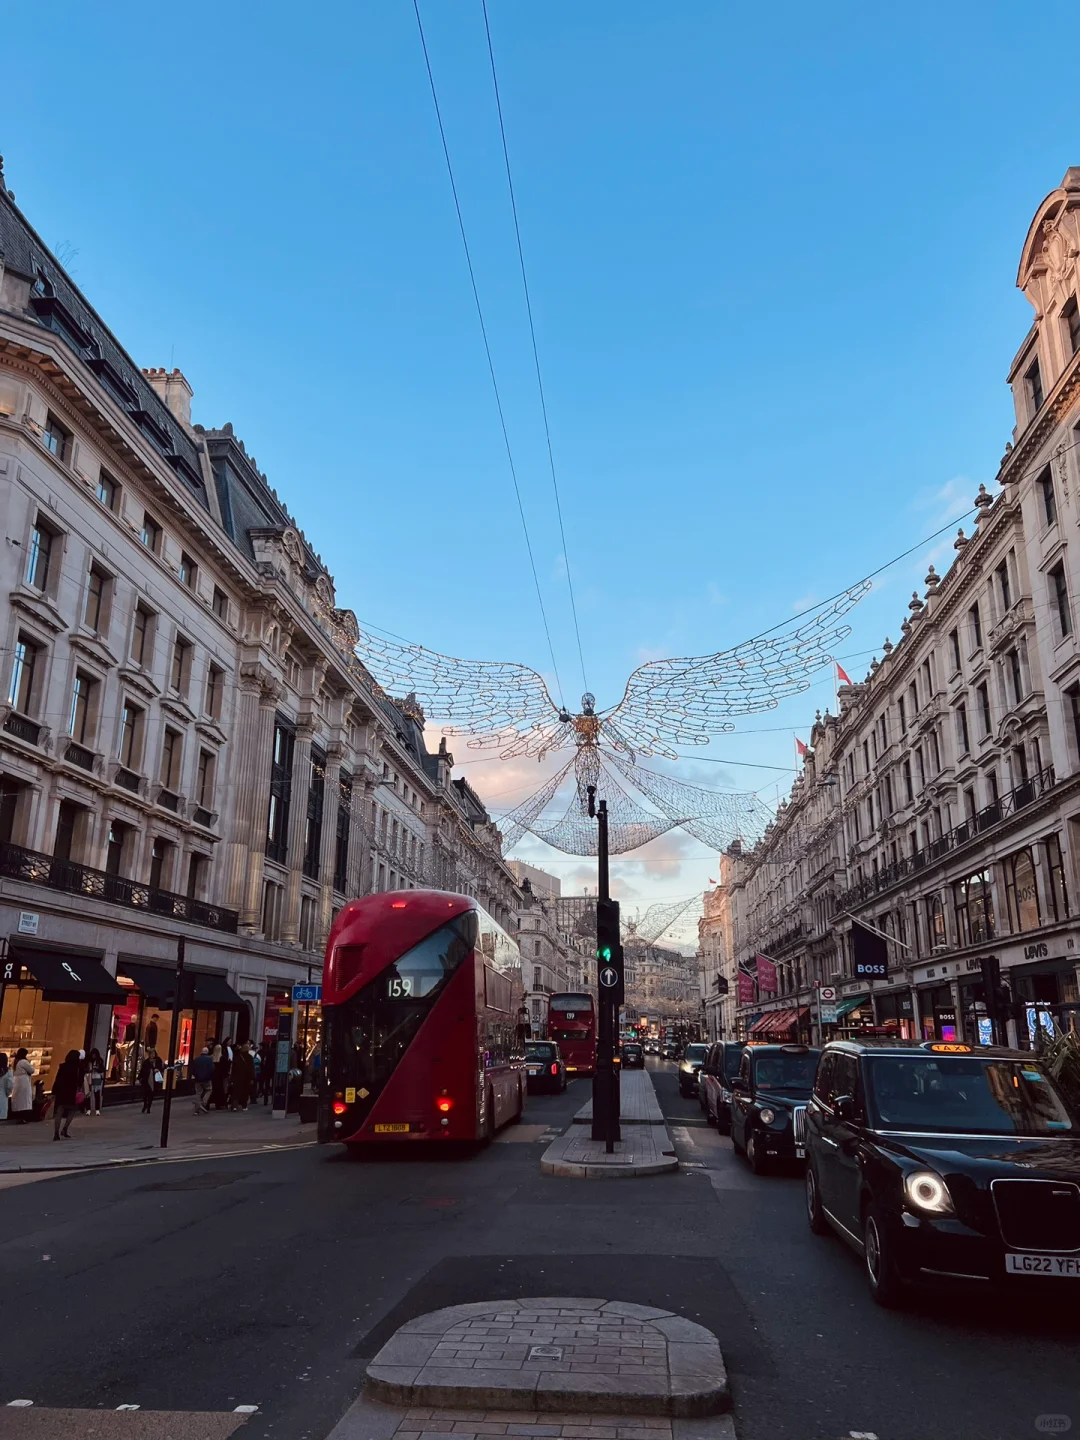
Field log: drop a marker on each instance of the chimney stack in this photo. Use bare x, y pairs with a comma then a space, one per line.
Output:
174, 390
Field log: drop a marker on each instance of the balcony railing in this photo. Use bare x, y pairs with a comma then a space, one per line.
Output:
127, 778
23, 728
1024, 794
169, 799
18, 863
76, 754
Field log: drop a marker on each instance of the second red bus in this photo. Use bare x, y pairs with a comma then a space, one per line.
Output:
572, 1024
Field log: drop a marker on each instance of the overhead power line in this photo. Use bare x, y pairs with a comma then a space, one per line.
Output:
487, 344
532, 337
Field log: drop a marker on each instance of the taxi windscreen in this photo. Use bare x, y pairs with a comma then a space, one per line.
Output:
540, 1051
965, 1093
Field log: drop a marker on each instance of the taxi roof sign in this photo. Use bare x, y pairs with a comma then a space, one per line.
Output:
947, 1047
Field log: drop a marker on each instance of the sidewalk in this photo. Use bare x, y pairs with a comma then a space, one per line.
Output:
645, 1147
123, 1135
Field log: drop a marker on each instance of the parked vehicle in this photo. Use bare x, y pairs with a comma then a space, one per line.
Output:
544, 1066
689, 1065
633, 1056
768, 1103
714, 1082
943, 1164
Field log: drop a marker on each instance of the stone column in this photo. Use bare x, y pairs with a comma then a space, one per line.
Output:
245, 796
301, 781
328, 847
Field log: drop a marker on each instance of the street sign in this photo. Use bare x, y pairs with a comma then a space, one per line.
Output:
829, 1014
827, 994
609, 977
306, 994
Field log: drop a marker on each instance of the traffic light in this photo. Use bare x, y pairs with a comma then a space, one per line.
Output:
609, 956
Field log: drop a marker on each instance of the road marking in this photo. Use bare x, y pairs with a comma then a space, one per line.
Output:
127, 1407
20, 1402
245, 1409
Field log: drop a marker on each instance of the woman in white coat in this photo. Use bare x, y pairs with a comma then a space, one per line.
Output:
22, 1093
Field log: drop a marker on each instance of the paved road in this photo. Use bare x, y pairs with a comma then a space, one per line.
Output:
267, 1279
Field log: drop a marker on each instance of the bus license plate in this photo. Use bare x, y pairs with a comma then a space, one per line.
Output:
391, 1129
1061, 1265
571, 1069
533, 1069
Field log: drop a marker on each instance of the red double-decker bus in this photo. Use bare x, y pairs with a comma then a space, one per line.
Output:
422, 1038
572, 1023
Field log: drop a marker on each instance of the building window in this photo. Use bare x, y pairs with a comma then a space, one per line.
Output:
307, 922
188, 571
1004, 586
984, 709
204, 780
976, 627
902, 714
22, 693
108, 491
151, 533
341, 838
11, 793
39, 559
1071, 316
1033, 380
171, 749
215, 685
142, 636
954, 649
1016, 676
221, 604
281, 764
1059, 596
98, 592
1059, 895
935, 922
1045, 485
962, 729
80, 727
1072, 696
908, 787
160, 868
131, 729
198, 866
974, 909
314, 820
1021, 892
118, 847
273, 896
57, 438
180, 672
67, 818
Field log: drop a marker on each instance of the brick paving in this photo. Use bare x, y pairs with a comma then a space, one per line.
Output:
643, 1150
553, 1354
423, 1423
638, 1104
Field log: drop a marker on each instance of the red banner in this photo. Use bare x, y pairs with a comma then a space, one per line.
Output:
766, 974
746, 988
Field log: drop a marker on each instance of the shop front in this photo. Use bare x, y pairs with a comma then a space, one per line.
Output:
142, 1020
49, 996
895, 1013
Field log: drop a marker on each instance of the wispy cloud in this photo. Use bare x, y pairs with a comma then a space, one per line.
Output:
947, 502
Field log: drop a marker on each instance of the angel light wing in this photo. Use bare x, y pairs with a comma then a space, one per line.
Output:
498, 702
685, 702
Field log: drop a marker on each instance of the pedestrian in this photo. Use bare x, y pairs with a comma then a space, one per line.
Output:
151, 1032
266, 1071
243, 1077
7, 1084
223, 1062
217, 1095
22, 1094
66, 1094
149, 1076
94, 1081
202, 1072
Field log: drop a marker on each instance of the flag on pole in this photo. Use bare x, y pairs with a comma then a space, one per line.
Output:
842, 676
800, 748
713, 882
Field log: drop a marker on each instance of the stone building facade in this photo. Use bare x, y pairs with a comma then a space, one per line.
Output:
941, 808
555, 956
188, 748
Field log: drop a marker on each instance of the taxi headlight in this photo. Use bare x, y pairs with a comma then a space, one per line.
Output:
767, 1115
925, 1190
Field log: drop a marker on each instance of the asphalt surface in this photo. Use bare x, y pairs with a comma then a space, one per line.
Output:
268, 1280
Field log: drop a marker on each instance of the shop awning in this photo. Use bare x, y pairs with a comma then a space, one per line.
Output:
213, 992
759, 1024
845, 1007
157, 984
68, 976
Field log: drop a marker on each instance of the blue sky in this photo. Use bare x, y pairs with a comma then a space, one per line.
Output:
772, 255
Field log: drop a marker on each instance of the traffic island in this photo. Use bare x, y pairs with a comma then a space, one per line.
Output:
553, 1355
643, 1150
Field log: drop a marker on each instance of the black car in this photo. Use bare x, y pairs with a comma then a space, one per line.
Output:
693, 1057
544, 1068
768, 1103
944, 1164
714, 1083
633, 1056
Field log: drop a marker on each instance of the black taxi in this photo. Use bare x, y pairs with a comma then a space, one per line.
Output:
769, 1096
944, 1164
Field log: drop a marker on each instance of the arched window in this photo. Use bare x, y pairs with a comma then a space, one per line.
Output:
1021, 892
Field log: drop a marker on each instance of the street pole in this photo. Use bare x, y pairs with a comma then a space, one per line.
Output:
178, 1005
605, 1122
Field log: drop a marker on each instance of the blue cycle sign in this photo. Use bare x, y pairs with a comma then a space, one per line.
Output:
306, 994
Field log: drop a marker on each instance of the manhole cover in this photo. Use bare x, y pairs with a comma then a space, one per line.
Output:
545, 1352
211, 1180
